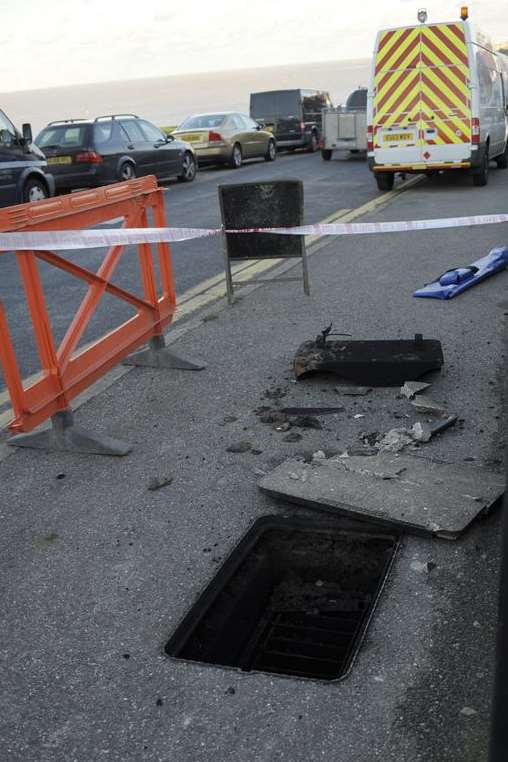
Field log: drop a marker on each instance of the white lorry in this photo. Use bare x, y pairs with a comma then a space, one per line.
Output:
438, 100
345, 128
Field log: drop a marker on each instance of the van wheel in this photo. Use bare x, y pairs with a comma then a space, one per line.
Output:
236, 157
271, 153
34, 190
481, 176
502, 161
385, 180
326, 154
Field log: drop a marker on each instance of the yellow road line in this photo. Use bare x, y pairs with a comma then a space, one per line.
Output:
214, 288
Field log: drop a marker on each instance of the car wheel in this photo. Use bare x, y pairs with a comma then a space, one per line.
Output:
236, 156
34, 190
385, 180
127, 171
502, 161
314, 142
188, 168
326, 154
481, 175
271, 152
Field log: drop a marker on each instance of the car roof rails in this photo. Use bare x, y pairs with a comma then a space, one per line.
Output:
116, 116
67, 121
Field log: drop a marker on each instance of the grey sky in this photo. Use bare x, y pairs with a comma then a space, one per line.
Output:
52, 43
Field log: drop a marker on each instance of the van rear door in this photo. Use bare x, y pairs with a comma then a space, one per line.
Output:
281, 112
422, 98
396, 108
445, 94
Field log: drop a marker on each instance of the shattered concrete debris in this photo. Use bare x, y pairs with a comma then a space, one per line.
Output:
158, 482
239, 447
410, 388
318, 455
294, 436
421, 432
273, 416
307, 422
312, 410
275, 394
427, 405
360, 451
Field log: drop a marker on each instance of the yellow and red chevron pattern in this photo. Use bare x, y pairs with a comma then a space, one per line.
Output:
422, 77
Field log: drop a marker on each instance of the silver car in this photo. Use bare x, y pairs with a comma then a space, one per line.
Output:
226, 138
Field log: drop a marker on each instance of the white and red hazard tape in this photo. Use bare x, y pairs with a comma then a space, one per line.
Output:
61, 240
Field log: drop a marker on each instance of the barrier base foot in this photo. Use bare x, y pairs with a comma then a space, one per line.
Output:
159, 356
63, 436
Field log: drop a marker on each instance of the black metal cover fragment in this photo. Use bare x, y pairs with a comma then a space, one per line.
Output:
387, 362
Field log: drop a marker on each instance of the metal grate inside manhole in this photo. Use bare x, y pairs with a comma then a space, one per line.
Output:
294, 598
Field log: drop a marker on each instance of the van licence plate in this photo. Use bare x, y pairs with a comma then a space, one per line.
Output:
60, 160
397, 137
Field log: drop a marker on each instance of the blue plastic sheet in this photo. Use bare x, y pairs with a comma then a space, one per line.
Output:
459, 279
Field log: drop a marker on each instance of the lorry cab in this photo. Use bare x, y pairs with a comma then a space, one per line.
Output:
438, 100
22, 175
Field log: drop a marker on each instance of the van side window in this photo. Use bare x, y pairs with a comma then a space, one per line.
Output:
7, 131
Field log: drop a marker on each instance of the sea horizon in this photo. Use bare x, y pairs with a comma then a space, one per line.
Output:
169, 99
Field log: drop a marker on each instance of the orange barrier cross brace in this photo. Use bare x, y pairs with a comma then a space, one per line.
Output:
67, 370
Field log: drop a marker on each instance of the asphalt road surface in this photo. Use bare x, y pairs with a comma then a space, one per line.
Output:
343, 183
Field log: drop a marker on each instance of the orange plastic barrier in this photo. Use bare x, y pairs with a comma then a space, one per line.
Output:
67, 371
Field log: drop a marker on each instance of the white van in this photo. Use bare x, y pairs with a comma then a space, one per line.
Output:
438, 100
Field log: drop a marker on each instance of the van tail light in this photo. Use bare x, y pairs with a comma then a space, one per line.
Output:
215, 137
370, 138
302, 126
321, 142
475, 131
89, 157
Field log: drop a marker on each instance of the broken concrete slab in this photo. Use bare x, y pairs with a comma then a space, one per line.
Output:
427, 405
410, 388
415, 493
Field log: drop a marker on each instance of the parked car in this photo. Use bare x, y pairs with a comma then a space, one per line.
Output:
227, 138
293, 116
86, 153
22, 166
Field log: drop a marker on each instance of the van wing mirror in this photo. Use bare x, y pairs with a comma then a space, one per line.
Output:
27, 133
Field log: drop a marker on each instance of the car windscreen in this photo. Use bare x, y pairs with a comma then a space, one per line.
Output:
277, 103
62, 136
204, 121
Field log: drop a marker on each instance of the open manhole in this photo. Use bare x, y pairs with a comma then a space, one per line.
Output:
294, 598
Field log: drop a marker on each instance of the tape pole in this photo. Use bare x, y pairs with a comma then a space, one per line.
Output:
65, 240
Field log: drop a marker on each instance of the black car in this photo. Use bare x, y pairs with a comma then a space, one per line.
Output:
22, 164
86, 153
294, 116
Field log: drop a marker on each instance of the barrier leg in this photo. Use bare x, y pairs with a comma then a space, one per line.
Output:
157, 355
64, 436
